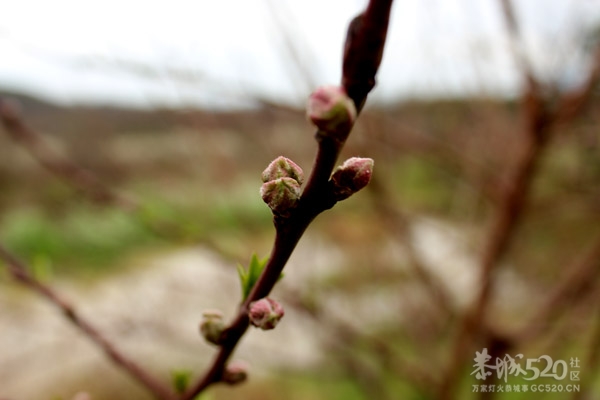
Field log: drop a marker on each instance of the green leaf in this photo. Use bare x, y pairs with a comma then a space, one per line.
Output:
249, 277
180, 380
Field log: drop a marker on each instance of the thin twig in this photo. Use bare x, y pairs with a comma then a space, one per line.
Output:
361, 60
20, 272
77, 177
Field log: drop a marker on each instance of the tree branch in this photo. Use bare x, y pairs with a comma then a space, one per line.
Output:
362, 56
20, 272
508, 213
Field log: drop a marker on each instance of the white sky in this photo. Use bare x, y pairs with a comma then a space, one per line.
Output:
180, 52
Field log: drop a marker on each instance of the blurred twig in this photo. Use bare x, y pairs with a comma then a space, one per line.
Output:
79, 178
539, 120
61, 167
296, 54
20, 272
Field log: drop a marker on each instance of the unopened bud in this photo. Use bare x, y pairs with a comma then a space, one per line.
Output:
281, 195
282, 167
265, 313
332, 111
236, 372
212, 326
353, 175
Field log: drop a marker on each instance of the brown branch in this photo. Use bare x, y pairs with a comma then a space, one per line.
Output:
363, 48
69, 172
20, 272
539, 121
508, 213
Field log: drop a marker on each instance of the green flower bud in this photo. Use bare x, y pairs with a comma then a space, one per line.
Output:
212, 326
331, 110
282, 167
265, 313
281, 195
353, 175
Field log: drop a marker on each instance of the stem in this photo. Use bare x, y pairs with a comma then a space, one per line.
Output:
362, 56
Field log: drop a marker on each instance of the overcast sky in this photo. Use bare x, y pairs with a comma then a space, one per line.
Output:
201, 52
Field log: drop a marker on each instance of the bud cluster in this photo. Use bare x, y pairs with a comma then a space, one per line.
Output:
281, 187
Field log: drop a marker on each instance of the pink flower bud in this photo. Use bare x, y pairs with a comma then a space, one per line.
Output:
282, 167
236, 372
331, 110
281, 195
265, 313
353, 175
212, 326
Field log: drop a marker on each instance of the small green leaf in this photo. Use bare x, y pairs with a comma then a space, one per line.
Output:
180, 380
249, 277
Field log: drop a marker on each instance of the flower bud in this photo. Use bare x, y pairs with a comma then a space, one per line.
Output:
265, 313
236, 372
353, 175
282, 167
212, 326
331, 110
281, 195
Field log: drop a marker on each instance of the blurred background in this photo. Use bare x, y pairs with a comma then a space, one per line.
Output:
178, 106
